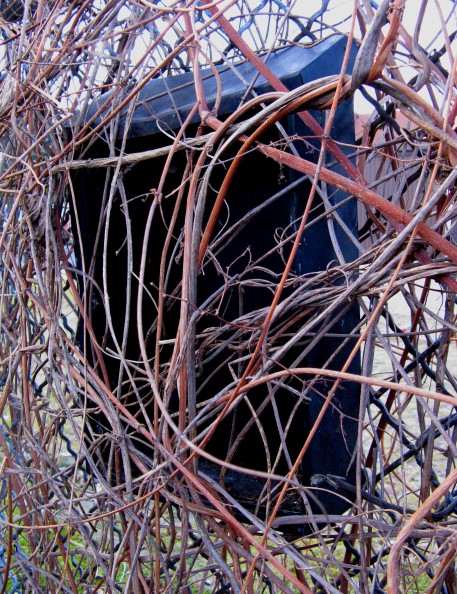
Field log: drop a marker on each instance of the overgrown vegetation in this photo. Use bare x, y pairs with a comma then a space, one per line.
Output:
115, 476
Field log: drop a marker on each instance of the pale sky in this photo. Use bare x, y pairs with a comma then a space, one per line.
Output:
430, 36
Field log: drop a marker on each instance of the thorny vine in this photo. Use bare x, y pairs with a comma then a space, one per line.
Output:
180, 369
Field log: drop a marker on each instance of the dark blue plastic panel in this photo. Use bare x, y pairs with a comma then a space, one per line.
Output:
164, 103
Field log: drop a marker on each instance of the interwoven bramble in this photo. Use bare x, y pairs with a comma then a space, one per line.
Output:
159, 523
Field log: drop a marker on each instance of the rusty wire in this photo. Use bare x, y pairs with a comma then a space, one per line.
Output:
107, 482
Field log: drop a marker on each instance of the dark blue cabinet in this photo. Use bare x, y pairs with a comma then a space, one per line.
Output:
267, 428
